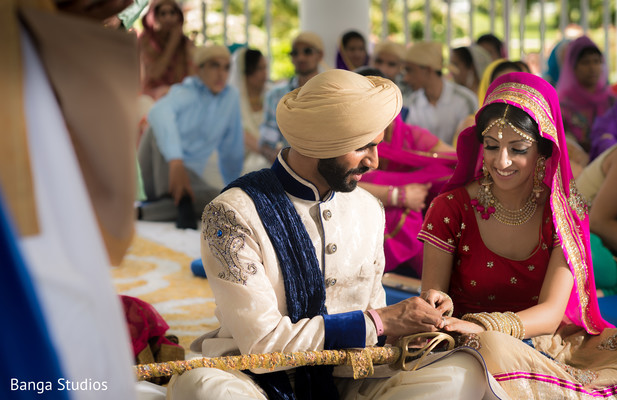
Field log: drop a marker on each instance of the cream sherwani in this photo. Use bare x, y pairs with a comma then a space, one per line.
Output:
243, 270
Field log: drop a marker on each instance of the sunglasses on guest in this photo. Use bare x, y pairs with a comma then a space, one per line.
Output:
307, 51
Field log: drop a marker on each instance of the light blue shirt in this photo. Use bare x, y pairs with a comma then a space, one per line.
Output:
190, 122
269, 132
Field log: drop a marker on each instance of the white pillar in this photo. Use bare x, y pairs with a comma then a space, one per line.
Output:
225, 16
406, 21
449, 25
606, 17
269, 31
247, 19
492, 14
330, 19
203, 21
506, 25
384, 20
563, 17
471, 33
585, 15
428, 33
542, 31
521, 28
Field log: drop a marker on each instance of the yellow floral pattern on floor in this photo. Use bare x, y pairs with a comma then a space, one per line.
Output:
163, 278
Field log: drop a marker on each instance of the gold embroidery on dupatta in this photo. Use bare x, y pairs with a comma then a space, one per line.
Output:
573, 245
577, 201
469, 340
610, 343
226, 238
583, 376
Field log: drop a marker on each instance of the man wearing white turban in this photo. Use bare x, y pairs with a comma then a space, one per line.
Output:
294, 257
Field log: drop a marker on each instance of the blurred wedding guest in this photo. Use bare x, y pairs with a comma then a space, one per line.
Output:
352, 51
583, 89
467, 64
413, 166
603, 132
197, 117
388, 58
493, 45
306, 55
436, 104
67, 184
164, 50
555, 61
493, 71
249, 74
598, 184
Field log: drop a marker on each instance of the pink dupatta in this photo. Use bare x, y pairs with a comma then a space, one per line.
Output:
409, 160
538, 98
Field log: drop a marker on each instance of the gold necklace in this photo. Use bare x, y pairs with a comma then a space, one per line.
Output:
487, 204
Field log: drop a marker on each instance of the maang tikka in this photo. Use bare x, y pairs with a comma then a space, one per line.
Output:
502, 122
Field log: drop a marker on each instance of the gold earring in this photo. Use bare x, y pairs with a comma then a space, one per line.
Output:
538, 176
487, 181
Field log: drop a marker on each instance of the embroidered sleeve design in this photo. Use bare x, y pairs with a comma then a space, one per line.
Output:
577, 201
440, 225
226, 238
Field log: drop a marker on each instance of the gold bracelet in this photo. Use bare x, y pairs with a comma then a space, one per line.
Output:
478, 320
520, 326
515, 329
509, 323
491, 321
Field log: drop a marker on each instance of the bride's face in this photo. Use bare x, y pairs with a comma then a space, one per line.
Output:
511, 160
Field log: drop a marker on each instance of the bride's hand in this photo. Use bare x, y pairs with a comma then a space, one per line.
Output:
458, 325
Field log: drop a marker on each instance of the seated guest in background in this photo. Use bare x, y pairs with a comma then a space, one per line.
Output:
308, 208
388, 58
436, 104
603, 133
555, 61
598, 184
197, 117
249, 74
306, 55
413, 166
494, 70
165, 52
352, 51
508, 240
583, 90
467, 65
493, 45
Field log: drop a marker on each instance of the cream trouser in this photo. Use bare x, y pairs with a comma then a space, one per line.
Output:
459, 375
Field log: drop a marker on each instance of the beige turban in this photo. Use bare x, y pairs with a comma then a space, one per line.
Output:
202, 54
336, 112
310, 38
426, 54
389, 47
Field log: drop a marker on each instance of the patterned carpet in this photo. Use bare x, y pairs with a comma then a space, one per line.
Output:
162, 277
